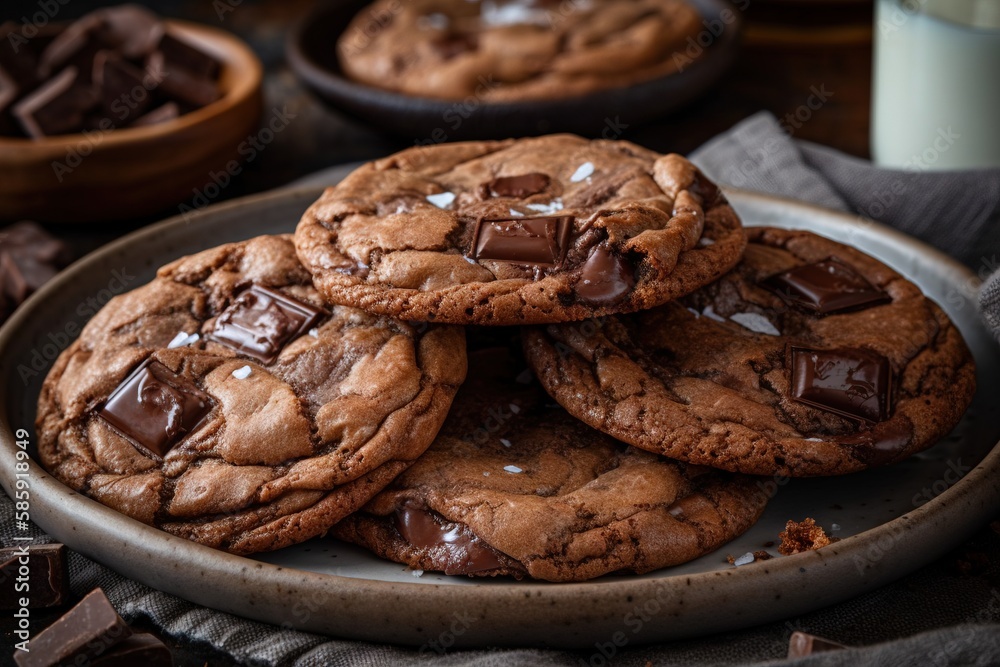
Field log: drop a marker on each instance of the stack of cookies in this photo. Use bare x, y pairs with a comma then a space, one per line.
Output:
550, 358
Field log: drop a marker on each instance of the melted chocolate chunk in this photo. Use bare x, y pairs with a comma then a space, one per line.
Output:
156, 409
881, 444
47, 577
85, 632
517, 187
261, 321
605, 278
454, 548
851, 382
826, 287
533, 241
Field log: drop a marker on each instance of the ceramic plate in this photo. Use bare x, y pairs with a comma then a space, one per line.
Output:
891, 521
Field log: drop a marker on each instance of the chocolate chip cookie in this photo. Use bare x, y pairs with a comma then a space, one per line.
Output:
513, 485
511, 50
224, 402
810, 358
542, 230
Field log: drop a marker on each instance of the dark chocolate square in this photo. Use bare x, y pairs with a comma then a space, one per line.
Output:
42, 567
57, 107
261, 321
156, 409
531, 241
850, 382
826, 287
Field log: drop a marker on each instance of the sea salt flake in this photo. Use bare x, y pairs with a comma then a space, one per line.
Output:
435, 21
814, 439
554, 206
586, 170
442, 200
512, 469
314, 332
183, 339
694, 312
516, 214
505, 442
514, 408
755, 322
512, 13
242, 373
704, 242
745, 559
834, 527
710, 313
417, 573
486, 474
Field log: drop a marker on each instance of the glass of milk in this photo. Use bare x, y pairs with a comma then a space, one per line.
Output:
936, 97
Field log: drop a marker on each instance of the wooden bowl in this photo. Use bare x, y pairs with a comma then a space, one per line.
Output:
311, 51
135, 172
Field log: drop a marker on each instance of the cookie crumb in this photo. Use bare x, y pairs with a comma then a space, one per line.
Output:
802, 536
761, 555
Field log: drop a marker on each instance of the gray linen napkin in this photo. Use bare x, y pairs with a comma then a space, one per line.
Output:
930, 617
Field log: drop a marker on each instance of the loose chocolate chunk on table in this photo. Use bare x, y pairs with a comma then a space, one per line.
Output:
88, 630
261, 321
29, 257
826, 287
156, 409
42, 567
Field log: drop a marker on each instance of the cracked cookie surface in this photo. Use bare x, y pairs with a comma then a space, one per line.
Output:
810, 358
224, 402
530, 231
514, 485
511, 50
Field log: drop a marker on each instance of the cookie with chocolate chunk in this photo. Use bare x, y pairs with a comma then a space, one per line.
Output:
514, 485
541, 230
810, 358
224, 402
513, 50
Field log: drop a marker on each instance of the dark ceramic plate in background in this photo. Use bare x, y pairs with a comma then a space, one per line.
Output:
312, 53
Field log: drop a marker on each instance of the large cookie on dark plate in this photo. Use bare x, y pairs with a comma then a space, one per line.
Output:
810, 358
513, 485
515, 50
542, 230
225, 403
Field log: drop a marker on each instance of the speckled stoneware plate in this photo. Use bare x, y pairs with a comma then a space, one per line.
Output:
312, 54
892, 521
